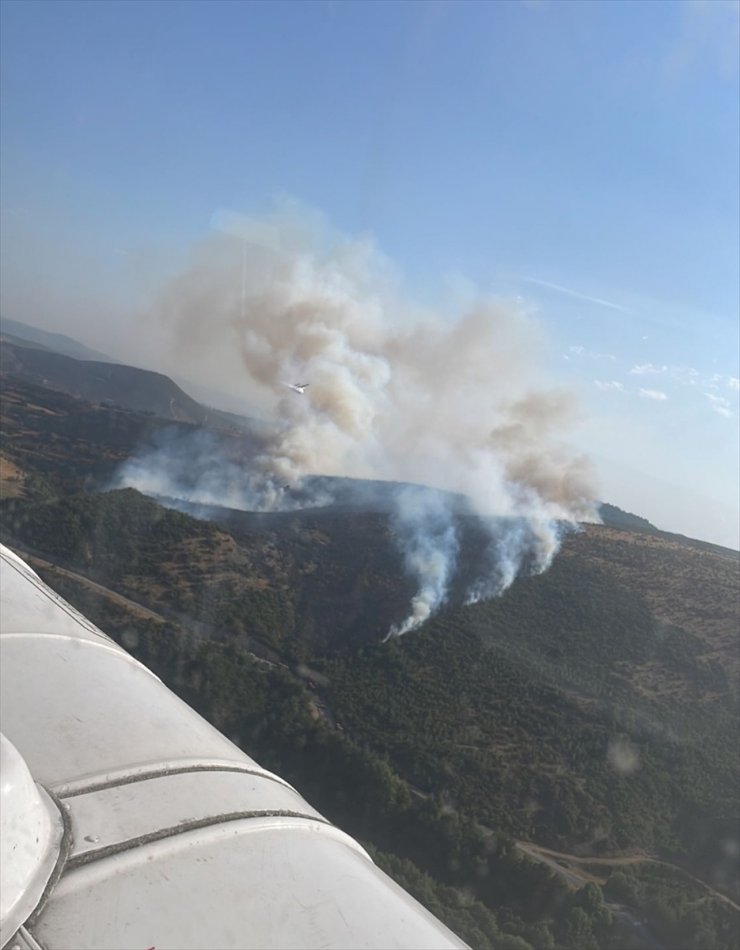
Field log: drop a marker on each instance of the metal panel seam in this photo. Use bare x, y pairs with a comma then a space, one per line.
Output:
193, 825
166, 772
65, 847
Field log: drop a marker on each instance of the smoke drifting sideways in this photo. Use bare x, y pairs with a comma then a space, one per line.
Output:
396, 392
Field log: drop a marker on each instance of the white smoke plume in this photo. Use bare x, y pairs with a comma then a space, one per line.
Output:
194, 469
395, 392
514, 542
426, 532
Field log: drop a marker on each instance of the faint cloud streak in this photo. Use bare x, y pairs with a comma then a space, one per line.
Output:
575, 293
589, 354
679, 374
720, 405
646, 369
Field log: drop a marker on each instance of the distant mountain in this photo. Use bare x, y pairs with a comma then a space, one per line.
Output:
16, 332
113, 385
22, 334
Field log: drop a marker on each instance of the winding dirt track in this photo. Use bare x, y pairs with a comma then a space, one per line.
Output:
112, 595
579, 876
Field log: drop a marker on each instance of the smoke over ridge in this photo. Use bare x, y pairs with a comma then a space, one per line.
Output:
396, 392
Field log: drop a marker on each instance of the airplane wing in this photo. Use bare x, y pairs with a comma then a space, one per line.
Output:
129, 821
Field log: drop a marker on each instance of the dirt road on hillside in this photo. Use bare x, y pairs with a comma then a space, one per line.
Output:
568, 866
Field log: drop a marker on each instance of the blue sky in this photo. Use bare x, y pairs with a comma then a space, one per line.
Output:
582, 156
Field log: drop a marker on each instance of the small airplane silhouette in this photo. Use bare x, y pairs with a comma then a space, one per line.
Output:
299, 388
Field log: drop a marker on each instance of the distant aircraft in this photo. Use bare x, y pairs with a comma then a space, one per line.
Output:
299, 388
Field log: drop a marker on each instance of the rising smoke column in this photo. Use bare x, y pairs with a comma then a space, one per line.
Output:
517, 545
396, 392
426, 532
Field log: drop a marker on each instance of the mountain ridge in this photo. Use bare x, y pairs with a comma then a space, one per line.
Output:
46, 339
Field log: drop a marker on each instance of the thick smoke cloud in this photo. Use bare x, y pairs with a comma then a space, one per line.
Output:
396, 392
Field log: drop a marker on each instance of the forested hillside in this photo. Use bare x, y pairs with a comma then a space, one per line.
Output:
591, 710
